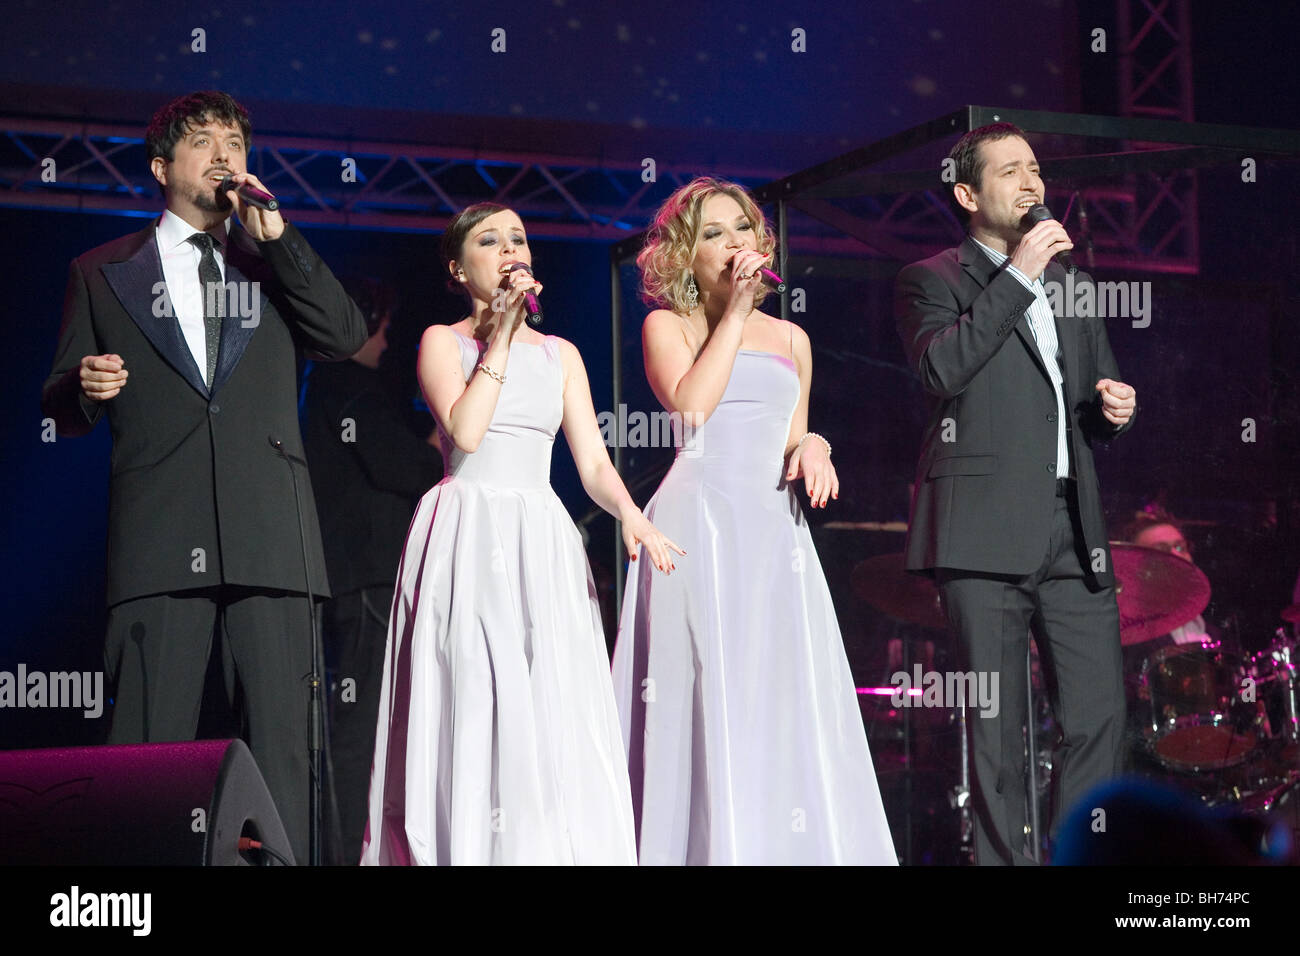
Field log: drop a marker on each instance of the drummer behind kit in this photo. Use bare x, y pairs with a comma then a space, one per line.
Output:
1219, 721
1204, 715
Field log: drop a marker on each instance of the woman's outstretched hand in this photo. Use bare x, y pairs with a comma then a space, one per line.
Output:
638, 531
811, 462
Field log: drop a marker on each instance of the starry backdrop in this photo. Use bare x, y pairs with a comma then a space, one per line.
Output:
869, 69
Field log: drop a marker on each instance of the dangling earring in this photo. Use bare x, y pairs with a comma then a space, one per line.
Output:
692, 292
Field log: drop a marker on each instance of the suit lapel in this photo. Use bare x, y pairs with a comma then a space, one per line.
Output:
1066, 333
981, 268
244, 266
134, 281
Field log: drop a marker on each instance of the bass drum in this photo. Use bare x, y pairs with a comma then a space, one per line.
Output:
1201, 713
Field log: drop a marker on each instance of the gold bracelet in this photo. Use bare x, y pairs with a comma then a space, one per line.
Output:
820, 438
492, 373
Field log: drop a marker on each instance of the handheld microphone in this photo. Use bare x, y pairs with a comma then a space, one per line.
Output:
1036, 214
768, 276
534, 316
250, 194
772, 279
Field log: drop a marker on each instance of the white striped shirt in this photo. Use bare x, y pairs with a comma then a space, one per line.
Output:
1043, 325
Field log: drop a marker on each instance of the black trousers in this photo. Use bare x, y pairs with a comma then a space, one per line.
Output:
1076, 629
157, 652
355, 634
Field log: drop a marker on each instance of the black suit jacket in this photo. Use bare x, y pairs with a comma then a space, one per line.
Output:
984, 499
198, 496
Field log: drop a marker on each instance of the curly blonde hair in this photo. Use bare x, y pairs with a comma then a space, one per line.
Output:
665, 261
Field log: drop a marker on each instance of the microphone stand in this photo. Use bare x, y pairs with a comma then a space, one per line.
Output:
314, 716
1087, 234
1031, 745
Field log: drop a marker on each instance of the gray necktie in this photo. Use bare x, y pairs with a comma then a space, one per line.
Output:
214, 300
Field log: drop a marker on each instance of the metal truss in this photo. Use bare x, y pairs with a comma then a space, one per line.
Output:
1125, 185
1155, 80
1155, 59
1131, 178
404, 187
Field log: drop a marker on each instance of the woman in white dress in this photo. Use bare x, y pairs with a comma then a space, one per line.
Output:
498, 741
745, 742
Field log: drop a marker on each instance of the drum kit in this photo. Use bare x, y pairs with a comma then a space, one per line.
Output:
1205, 715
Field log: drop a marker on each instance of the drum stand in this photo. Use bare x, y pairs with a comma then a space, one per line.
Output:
960, 795
905, 640
1283, 652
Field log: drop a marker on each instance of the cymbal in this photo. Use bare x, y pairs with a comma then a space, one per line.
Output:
883, 583
1157, 591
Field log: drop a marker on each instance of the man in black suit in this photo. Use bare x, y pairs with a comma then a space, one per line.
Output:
185, 335
1006, 513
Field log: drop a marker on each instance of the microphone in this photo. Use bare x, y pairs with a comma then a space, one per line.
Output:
250, 194
772, 279
1036, 214
534, 316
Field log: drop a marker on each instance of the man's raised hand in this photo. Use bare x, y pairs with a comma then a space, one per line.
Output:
1037, 247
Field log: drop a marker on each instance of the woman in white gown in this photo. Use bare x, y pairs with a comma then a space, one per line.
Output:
745, 742
498, 741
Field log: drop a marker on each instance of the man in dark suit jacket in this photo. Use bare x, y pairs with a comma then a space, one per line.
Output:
1006, 512
185, 335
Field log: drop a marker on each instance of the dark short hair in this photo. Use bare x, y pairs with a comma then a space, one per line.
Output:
175, 120
968, 165
453, 240
1131, 529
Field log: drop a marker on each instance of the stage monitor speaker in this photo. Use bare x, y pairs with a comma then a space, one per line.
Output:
173, 804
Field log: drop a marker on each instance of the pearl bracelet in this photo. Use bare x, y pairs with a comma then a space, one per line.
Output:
820, 438
492, 373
